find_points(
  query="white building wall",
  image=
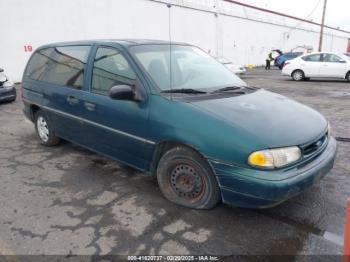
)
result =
(241, 34)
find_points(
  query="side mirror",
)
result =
(1, 70)
(122, 92)
(342, 61)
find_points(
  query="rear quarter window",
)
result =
(59, 65)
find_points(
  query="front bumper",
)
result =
(7, 94)
(238, 188)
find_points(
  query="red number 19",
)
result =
(28, 48)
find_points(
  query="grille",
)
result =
(315, 146)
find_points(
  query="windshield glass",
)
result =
(190, 67)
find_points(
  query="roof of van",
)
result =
(123, 42)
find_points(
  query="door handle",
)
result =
(90, 106)
(72, 100)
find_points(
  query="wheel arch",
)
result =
(33, 109)
(297, 69)
(164, 146)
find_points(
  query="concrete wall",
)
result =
(241, 34)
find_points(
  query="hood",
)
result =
(271, 118)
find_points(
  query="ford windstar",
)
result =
(177, 113)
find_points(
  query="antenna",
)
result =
(170, 48)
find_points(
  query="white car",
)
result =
(7, 88)
(237, 69)
(323, 65)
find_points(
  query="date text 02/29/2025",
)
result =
(173, 258)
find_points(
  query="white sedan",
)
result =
(323, 65)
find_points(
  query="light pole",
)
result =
(322, 25)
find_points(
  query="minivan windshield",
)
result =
(191, 68)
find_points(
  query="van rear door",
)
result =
(56, 74)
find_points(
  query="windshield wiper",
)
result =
(184, 91)
(235, 88)
(251, 87)
(228, 88)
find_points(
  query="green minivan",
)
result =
(175, 112)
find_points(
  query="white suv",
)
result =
(328, 65)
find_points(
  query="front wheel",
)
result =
(186, 179)
(348, 76)
(298, 75)
(44, 130)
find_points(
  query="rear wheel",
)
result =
(186, 179)
(44, 130)
(298, 75)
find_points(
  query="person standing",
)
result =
(268, 61)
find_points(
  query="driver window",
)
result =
(332, 58)
(110, 69)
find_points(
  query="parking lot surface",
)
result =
(67, 200)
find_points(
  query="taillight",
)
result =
(286, 63)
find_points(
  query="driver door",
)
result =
(333, 66)
(117, 128)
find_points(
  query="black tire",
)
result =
(348, 76)
(298, 75)
(52, 139)
(185, 178)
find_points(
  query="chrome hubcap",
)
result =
(186, 182)
(43, 129)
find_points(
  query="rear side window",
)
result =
(312, 58)
(59, 65)
(110, 69)
(37, 64)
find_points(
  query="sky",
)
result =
(338, 11)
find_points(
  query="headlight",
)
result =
(272, 158)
